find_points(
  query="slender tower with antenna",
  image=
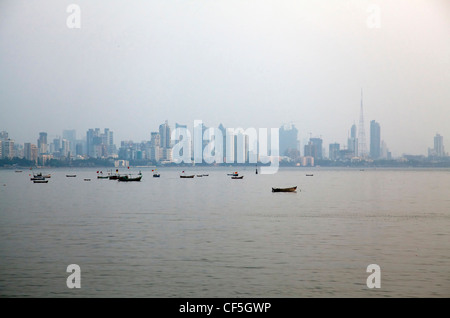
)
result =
(361, 132)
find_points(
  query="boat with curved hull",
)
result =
(292, 189)
(38, 176)
(187, 177)
(40, 181)
(236, 177)
(128, 178)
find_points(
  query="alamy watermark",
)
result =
(374, 279)
(232, 145)
(73, 21)
(74, 279)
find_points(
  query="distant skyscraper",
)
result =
(314, 148)
(362, 151)
(56, 145)
(42, 143)
(90, 134)
(352, 143)
(71, 136)
(288, 138)
(334, 151)
(164, 132)
(7, 148)
(79, 149)
(439, 146)
(375, 140)
(317, 142)
(65, 147)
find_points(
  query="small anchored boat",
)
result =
(189, 177)
(236, 177)
(292, 189)
(129, 178)
(71, 175)
(40, 181)
(38, 176)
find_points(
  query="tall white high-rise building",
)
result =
(362, 150)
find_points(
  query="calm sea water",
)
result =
(217, 237)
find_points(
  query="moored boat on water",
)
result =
(40, 181)
(292, 189)
(183, 176)
(236, 177)
(38, 176)
(129, 178)
(71, 175)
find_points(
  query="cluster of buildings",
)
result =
(159, 149)
(314, 149)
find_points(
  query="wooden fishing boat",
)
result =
(184, 177)
(309, 175)
(102, 177)
(38, 176)
(40, 181)
(71, 175)
(199, 175)
(156, 175)
(236, 177)
(129, 178)
(292, 189)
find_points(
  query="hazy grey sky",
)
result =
(243, 63)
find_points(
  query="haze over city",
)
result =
(130, 66)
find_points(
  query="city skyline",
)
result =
(159, 146)
(243, 64)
